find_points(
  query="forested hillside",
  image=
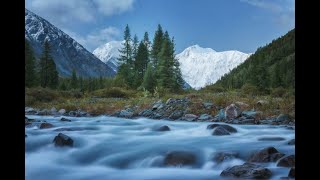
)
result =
(270, 66)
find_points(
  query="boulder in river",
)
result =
(283, 118)
(271, 139)
(65, 119)
(145, 113)
(269, 154)
(232, 111)
(178, 158)
(190, 117)
(62, 111)
(62, 140)
(220, 131)
(223, 156)
(288, 161)
(204, 117)
(292, 142)
(247, 171)
(292, 173)
(126, 113)
(45, 125)
(176, 114)
(227, 127)
(163, 128)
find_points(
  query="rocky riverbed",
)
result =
(104, 147)
(179, 109)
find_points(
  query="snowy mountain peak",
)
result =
(203, 66)
(109, 52)
(66, 52)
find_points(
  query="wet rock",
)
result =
(220, 131)
(126, 113)
(262, 102)
(266, 121)
(232, 111)
(292, 142)
(45, 125)
(53, 110)
(292, 173)
(176, 114)
(157, 116)
(170, 101)
(178, 158)
(283, 118)
(252, 114)
(62, 111)
(44, 112)
(271, 139)
(30, 110)
(163, 128)
(76, 129)
(247, 171)
(220, 116)
(248, 121)
(288, 161)
(269, 154)
(227, 127)
(157, 105)
(204, 117)
(145, 113)
(62, 140)
(190, 117)
(224, 156)
(208, 105)
(65, 119)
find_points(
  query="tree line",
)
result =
(271, 66)
(43, 73)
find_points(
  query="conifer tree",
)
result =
(148, 79)
(48, 72)
(146, 40)
(141, 62)
(135, 45)
(74, 80)
(156, 46)
(30, 67)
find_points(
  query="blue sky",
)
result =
(242, 25)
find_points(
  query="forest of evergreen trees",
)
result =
(145, 66)
(271, 66)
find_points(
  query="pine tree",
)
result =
(148, 79)
(74, 80)
(135, 45)
(48, 72)
(176, 66)
(125, 70)
(165, 70)
(141, 63)
(30, 67)
(156, 46)
(146, 40)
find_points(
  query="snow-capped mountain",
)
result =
(66, 52)
(109, 52)
(203, 66)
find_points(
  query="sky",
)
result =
(242, 25)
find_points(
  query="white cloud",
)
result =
(110, 7)
(96, 38)
(62, 12)
(283, 10)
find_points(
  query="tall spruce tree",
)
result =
(125, 70)
(135, 44)
(165, 73)
(30, 67)
(146, 40)
(74, 80)
(148, 79)
(156, 46)
(141, 63)
(48, 72)
(176, 68)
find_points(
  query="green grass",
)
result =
(108, 101)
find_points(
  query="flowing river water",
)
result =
(109, 148)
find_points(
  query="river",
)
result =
(110, 148)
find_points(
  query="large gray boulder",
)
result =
(247, 171)
(269, 154)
